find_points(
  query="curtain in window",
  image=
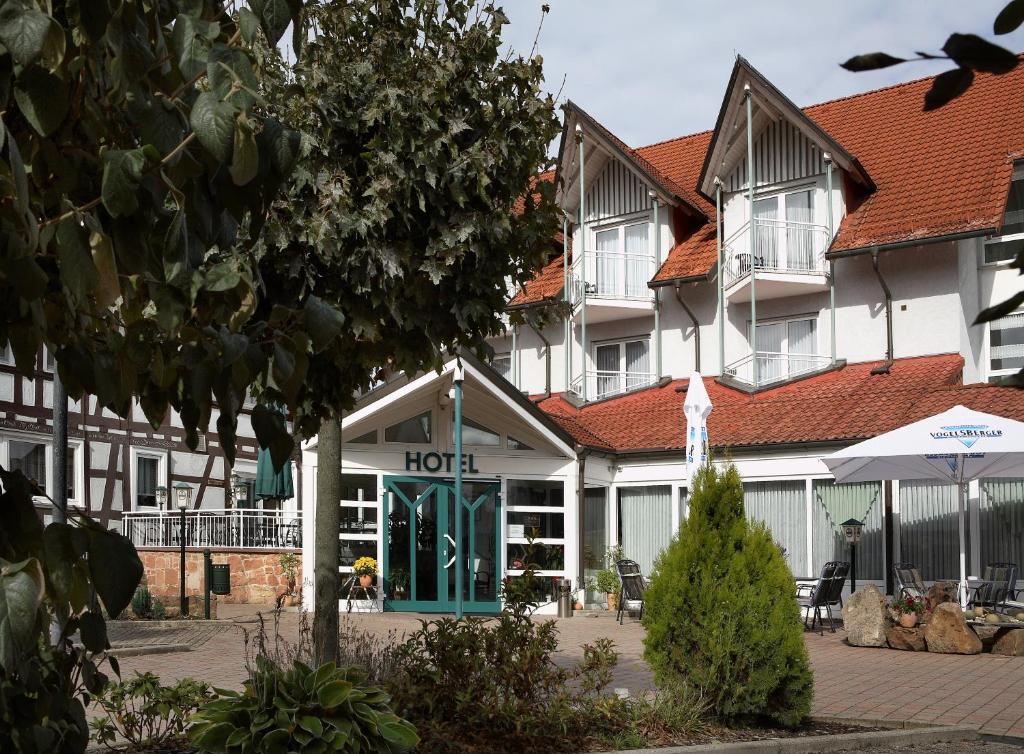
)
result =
(802, 342)
(609, 370)
(928, 528)
(1002, 521)
(638, 263)
(607, 273)
(770, 362)
(1006, 347)
(836, 503)
(30, 459)
(799, 234)
(645, 523)
(595, 530)
(146, 481)
(503, 366)
(766, 232)
(637, 363)
(782, 506)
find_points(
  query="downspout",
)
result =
(514, 365)
(721, 277)
(696, 326)
(831, 264)
(568, 301)
(750, 229)
(887, 364)
(583, 273)
(657, 291)
(581, 501)
(547, 360)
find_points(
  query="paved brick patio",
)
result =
(986, 691)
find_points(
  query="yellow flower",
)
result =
(365, 566)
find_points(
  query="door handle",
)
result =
(449, 538)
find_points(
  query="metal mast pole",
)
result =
(459, 562)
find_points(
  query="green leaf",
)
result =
(109, 288)
(93, 631)
(213, 122)
(192, 40)
(334, 693)
(77, 271)
(275, 15)
(122, 173)
(1009, 18)
(231, 76)
(271, 433)
(312, 724)
(21, 594)
(323, 322)
(248, 24)
(114, 565)
(871, 61)
(23, 30)
(26, 277)
(397, 732)
(948, 86)
(971, 51)
(43, 99)
(245, 160)
(63, 546)
(222, 277)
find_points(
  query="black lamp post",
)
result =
(183, 495)
(851, 532)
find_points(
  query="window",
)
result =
(147, 475)
(502, 364)
(6, 355)
(367, 438)
(622, 261)
(622, 366)
(49, 362)
(535, 510)
(786, 348)
(71, 481)
(514, 444)
(1006, 344)
(645, 523)
(787, 245)
(474, 433)
(30, 459)
(414, 430)
(1004, 248)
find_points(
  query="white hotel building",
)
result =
(828, 300)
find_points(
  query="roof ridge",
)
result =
(675, 138)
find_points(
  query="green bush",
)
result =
(142, 603)
(720, 615)
(329, 709)
(144, 713)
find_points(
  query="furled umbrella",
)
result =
(696, 407)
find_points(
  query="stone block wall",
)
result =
(256, 576)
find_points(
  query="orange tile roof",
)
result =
(936, 173)
(848, 404)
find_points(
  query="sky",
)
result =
(651, 70)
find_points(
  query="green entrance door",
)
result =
(419, 544)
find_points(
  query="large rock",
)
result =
(908, 639)
(1009, 641)
(939, 593)
(947, 632)
(866, 618)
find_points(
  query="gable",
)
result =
(617, 191)
(782, 152)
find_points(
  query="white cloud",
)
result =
(655, 69)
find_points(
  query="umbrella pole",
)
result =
(961, 506)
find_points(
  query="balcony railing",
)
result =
(236, 528)
(611, 275)
(605, 384)
(767, 368)
(774, 246)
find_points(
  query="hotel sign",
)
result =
(434, 462)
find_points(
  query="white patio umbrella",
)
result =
(696, 407)
(958, 446)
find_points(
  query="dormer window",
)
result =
(622, 261)
(1005, 248)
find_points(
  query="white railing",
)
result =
(774, 246)
(766, 367)
(236, 528)
(611, 275)
(604, 383)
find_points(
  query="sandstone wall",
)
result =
(256, 577)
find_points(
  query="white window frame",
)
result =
(622, 372)
(619, 226)
(161, 458)
(382, 437)
(7, 355)
(47, 356)
(562, 510)
(989, 371)
(779, 195)
(1018, 176)
(752, 339)
(499, 357)
(78, 470)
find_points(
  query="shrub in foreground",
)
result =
(720, 615)
(146, 713)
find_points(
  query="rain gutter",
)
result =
(885, 366)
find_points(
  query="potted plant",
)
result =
(908, 610)
(365, 568)
(606, 581)
(399, 583)
(289, 562)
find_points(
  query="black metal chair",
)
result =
(825, 593)
(633, 586)
(909, 582)
(998, 587)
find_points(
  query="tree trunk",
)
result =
(325, 577)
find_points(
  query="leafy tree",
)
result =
(720, 615)
(971, 54)
(410, 213)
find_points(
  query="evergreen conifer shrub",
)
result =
(720, 614)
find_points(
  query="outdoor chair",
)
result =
(998, 588)
(633, 588)
(823, 594)
(909, 582)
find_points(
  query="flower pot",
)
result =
(366, 580)
(613, 601)
(908, 620)
(399, 594)
(290, 600)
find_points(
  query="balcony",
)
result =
(616, 284)
(767, 368)
(223, 529)
(788, 258)
(603, 384)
